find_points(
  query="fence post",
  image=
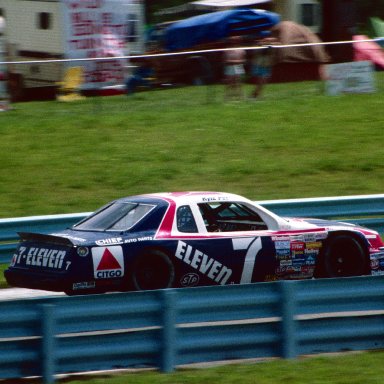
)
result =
(288, 322)
(168, 340)
(48, 343)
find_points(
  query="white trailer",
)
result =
(70, 29)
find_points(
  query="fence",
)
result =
(169, 328)
(38, 79)
(365, 210)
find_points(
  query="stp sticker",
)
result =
(108, 262)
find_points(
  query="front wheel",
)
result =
(153, 270)
(343, 256)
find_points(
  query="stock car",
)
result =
(185, 239)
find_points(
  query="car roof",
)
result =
(186, 197)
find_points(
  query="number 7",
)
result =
(253, 246)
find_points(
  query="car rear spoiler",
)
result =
(39, 237)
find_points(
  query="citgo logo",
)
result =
(108, 262)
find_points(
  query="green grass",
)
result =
(357, 368)
(296, 142)
(3, 283)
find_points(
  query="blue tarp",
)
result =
(216, 26)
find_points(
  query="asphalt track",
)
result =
(23, 293)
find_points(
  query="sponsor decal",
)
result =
(110, 241)
(84, 285)
(299, 261)
(280, 238)
(312, 251)
(108, 262)
(70, 237)
(190, 280)
(310, 260)
(216, 198)
(297, 246)
(310, 237)
(282, 244)
(375, 264)
(307, 270)
(82, 251)
(283, 253)
(377, 273)
(322, 236)
(135, 240)
(314, 245)
(206, 265)
(41, 257)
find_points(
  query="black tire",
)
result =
(153, 270)
(343, 256)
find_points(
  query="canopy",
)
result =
(210, 5)
(216, 26)
(217, 4)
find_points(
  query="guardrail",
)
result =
(365, 210)
(169, 328)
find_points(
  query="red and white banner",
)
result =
(99, 29)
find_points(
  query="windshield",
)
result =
(115, 217)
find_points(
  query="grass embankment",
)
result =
(296, 142)
(357, 368)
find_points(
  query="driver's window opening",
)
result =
(230, 217)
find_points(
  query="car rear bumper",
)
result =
(27, 279)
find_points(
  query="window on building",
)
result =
(309, 14)
(132, 28)
(44, 20)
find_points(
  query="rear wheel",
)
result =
(153, 270)
(343, 256)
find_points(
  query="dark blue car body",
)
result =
(188, 239)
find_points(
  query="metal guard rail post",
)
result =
(165, 329)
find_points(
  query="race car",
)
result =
(186, 239)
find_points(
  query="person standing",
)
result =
(234, 60)
(261, 66)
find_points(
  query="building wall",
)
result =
(25, 25)
(306, 12)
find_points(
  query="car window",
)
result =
(185, 220)
(228, 217)
(115, 217)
